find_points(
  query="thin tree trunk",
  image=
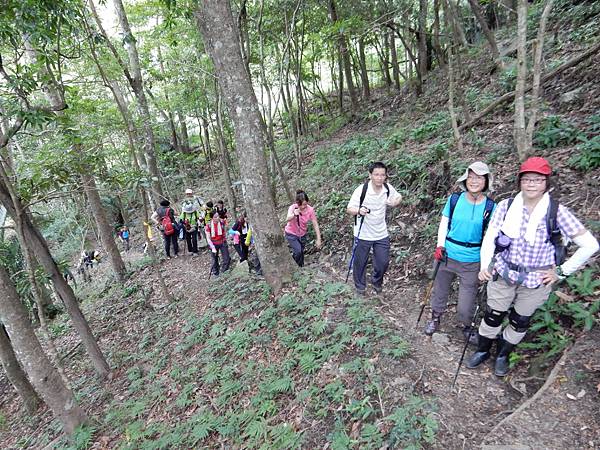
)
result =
(384, 59)
(223, 148)
(394, 58)
(15, 374)
(364, 75)
(217, 28)
(185, 139)
(133, 74)
(345, 59)
(520, 137)
(43, 376)
(104, 229)
(436, 34)
(423, 38)
(457, 28)
(64, 291)
(538, 50)
(489, 35)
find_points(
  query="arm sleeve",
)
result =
(442, 232)
(394, 194)
(588, 245)
(488, 245)
(355, 199)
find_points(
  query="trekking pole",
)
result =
(355, 243)
(480, 298)
(425, 300)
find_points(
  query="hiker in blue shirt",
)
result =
(124, 235)
(464, 219)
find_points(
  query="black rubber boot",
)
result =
(471, 335)
(483, 352)
(502, 365)
(434, 324)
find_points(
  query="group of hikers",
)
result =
(516, 247)
(198, 222)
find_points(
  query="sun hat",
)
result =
(479, 168)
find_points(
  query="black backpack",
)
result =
(554, 234)
(363, 194)
(487, 215)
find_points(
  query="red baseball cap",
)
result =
(536, 164)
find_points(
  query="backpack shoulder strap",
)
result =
(453, 201)
(363, 194)
(487, 215)
(387, 190)
(554, 234)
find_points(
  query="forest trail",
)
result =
(480, 400)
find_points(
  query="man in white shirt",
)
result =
(368, 204)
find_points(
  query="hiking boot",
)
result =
(502, 365)
(471, 335)
(434, 324)
(482, 354)
(378, 290)
(361, 292)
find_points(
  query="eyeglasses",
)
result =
(535, 181)
(476, 178)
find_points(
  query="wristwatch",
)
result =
(559, 273)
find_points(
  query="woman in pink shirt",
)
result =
(298, 216)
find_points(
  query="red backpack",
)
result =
(167, 225)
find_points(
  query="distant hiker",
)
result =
(124, 236)
(220, 208)
(189, 218)
(68, 276)
(164, 218)
(239, 231)
(299, 214)
(531, 260)
(464, 221)
(253, 260)
(192, 199)
(208, 211)
(150, 236)
(368, 204)
(215, 236)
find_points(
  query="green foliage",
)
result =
(413, 425)
(553, 321)
(439, 121)
(508, 78)
(82, 438)
(587, 154)
(554, 131)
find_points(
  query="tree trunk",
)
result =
(489, 35)
(364, 75)
(44, 377)
(520, 137)
(538, 50)
(345, 60)
(64, 291)
(185, 139)
(137, 85)
(437, 47)
(394, 58)
(15, 374)
(223, 148)
(384, 59)
(104, 229)
(422, 39)
(217, 27)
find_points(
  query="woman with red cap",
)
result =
(526, 232)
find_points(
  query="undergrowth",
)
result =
(258, 372)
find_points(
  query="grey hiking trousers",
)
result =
(381, 260)
(467, 288)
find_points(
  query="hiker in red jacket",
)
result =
(216, 237)
(164, 218)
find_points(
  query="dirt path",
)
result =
(481, 400)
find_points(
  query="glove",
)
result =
(439, 254)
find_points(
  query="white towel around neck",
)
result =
(514, 216)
